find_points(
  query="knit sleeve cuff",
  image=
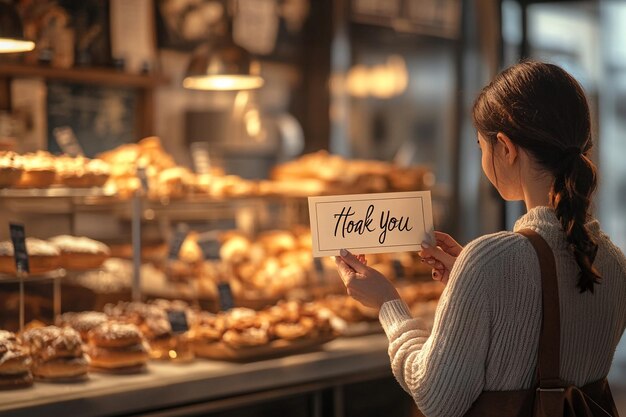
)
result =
(392, 314)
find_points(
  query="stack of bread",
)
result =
(57, 353)
(15, 363)
(117, 347)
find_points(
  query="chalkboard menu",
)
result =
(101, 117)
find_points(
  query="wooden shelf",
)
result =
(102, 76)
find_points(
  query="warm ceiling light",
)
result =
(221, 65)
(11, 31)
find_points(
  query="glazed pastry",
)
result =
(57, 353)
(80, 253)
(117, 346)
(15, 363)
(42, 256)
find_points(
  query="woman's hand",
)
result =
(364, 284)
(441, 257)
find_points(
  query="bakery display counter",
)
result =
(203, 385)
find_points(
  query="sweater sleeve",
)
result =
(444, 372)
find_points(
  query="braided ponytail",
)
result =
(543, 110)
(571, 197)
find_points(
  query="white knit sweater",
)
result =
(486, 330)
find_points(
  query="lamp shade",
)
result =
(221, 65)
(11, 31)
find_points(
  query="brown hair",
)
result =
(543, 110)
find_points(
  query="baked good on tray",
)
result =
(10, 169)
(117, 347)
(81, 172)
(57, 353)
(80, 253)
(39, 170)
(42, 256)
(15, 363)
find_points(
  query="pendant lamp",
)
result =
(222, 65)
(11, 30)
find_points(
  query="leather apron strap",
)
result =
(549, 359)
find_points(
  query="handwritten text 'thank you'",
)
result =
(347, 224)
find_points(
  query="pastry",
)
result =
(10, 169)
(81, 172)
(14, 363)
(39, 170)
(82, 322)
(118, 347)
(57, 353)
(42, 256)
(235, 249)
(151, 320)
(80, 253)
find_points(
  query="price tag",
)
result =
(210, 249)
(67, 141)
(18, 237)
(226, 296)
(178, 321)
(320, 271)
(398, 268)
(143, 178)
(182, 230)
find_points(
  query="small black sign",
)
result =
(177, 240)
(178, 321)
(210, 249)
(18, 237)
(398, 268)
(143, 178)
(319, 266)
(226, 296)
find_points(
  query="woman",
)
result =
(534, 133)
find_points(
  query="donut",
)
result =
(80, 253)
(42, 256)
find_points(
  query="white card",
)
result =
(371, 223)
